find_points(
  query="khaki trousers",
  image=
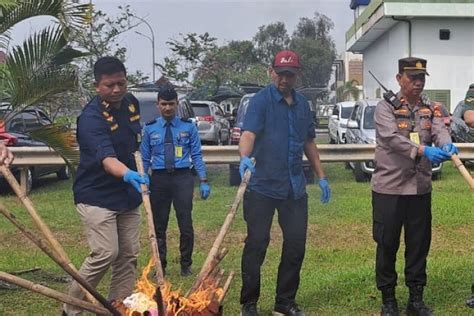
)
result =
(113, 238)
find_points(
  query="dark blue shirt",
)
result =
(281, 131)
(102, 132)
(186, 143)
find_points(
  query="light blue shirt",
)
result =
(186, 143)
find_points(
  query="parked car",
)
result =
(239, 119)
(361, 130)
(15, 132)
(213, 126)
(338, 122)
(460, 132)
(148, 106)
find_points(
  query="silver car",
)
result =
(338, 122)
(361, 130)
(213, 126)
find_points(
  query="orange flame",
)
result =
(205, 297)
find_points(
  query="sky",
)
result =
(224, 19)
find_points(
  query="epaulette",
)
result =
(187, 120)
(150, 122)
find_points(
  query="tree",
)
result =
(232, 64)
(189, 54)
(41, 68)
(269, 40)
(348, 90)
(316, 48)
(100, 39)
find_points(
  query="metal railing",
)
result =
(30, 156)
(36, 156)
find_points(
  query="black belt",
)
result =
(175, 171)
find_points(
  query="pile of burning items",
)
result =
(157, 298)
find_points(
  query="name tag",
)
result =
(178, 151)
(415, 137)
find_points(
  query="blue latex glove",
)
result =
(205, 190)
(435, 154)
(451, 149)
(325, 190)
(135, 179)
(246, 163)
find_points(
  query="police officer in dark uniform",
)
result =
(169, 145)
(107, 187)
(401, 184)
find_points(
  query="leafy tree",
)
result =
(41, 68)
(100, 39)
(189, 54)
(232, 64)
(269, 40)
(312, 41)
(348, 90)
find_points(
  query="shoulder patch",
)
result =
(150, 122)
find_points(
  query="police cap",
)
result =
(167, 93)
(412, 65)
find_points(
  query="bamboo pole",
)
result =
(462, 169)
(44, 229)
(226, 287)
(151, 226)
(207, 266)
(59, 260)
(38, 288)
(152, 237)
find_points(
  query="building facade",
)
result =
(440, 31)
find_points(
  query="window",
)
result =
(201, 109)
(443, 96)
(369, 117)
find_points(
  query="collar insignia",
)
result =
(131, 108)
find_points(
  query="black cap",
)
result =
(167, 93)
(412, 65)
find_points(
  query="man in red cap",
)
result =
(277, 130)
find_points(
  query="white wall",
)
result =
(450, 63)
(381, 58)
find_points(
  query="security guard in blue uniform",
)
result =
(107, 187)
(169, 144)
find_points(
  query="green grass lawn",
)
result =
(337, 275)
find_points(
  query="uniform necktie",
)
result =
(169, 148)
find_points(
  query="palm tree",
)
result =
(40, 69)
(349, 89)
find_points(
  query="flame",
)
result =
(205, 297)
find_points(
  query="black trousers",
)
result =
(176, 188)
(390, 213)
(293, 221)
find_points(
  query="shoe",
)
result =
(390, 308)
(288, 310)
(470, 302)
(249, 309)
(186, 271)
(418, 308)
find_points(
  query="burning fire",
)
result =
(202, 302)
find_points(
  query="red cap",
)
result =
(286, 60)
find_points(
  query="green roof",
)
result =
(375, 4)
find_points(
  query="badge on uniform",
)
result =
(415, 137)
(131, 108)
(178, 151)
